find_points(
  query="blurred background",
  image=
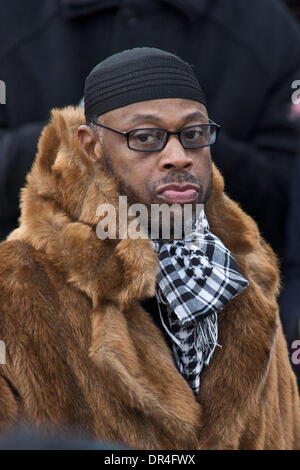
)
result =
(246, 56)
(294, 6)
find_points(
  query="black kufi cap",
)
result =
(135, 75)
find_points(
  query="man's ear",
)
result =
(90, 144)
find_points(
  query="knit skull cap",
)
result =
(139, 74)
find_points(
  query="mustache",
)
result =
(175, 177)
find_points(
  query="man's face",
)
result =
(170, 176)
(147, 177)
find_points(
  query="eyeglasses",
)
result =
(154, 139)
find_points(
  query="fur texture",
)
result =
(81, 352)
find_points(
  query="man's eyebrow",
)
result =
(145, 117)
(152, 117)
(195, 115)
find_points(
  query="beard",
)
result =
(178, 217)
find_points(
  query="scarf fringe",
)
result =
(206, 337)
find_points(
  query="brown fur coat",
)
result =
(81, 351)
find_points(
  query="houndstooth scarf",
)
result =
(197, 277)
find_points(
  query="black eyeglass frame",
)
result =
(178, 133)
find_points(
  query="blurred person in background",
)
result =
(290, 298)
(294, 5)
(28, 438)
(246, 54)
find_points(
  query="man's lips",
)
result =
(178, 193)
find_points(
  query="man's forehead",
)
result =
(157, 111)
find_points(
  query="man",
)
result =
(207, 367)
(245, 54)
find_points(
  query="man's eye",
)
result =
(190, 135)
(194, 134)
(146, 137)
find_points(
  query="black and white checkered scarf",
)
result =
(197, 277)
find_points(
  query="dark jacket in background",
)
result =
(245, 55)
(294, 5)
(290, 299)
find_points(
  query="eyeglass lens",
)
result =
(155, 139)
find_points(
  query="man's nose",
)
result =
(174, 156)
